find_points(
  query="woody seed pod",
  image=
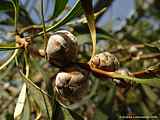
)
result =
(62, 48)
(105, 61)
(72, 84)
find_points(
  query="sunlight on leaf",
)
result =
(20, 102)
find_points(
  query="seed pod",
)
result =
(72, 84)
(62, 48)
(105, 61)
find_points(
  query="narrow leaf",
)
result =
(5, 6)
(75, 11)
(154, 82)
(75, 115)
(27, 110)
(16, 8)
(33, 84)
(87, 6)
(9, 60)
(59, 7)
(150, 93)
(67, 115)
(20, 102)
(3, 48)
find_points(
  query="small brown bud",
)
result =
(62, 48)
(122, 82)
(105, 61)
(72, 84)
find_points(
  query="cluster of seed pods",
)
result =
(72, 81)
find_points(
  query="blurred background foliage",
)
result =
(135, 41)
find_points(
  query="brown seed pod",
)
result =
(72, 84)
(105, 61)
(62, 48)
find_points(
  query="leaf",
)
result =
(9, 60)
(75, 115)
(87, 6)
(16, 2)
(59, 7)
(4, 48)
(152, 48)
(75, 11)
(154, 82)
(144, 109)
(57, 113)
(16, 5)
(16, 8)
(150, 93)
(100, 115)
(27, 110)
(110, 95)
(33, 84)
(5, 6)
(20, 102)
(67, 115)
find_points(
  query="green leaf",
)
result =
(152, 48)
(75, 11)
(8, 48)
(75, 115)
(145, 109)
(67, 115)
(9, 60)
(57, 112)
(16, 8)
(154, 82)
(87, 6)
(110, 95)
(27, 110)
(99, 115)
(59, 7)
(16, 2)
(5, 6)
(150, 93)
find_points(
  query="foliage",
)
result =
(26, 77)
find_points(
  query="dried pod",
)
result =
(105, 61)
(62, 48)
(72, 84)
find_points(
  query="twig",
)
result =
(141, 57)
(31, 28)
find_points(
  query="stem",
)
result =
(44, 28)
